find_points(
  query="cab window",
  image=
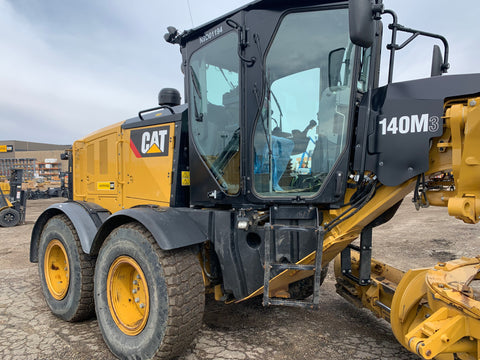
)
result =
(215, 111)
(301, 129)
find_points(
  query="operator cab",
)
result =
(270, 114)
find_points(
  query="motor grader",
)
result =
(286, 151)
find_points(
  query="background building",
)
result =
(36, 159)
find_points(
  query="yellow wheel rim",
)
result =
(56, 269)
(127, 295)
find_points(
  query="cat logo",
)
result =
(150, 142)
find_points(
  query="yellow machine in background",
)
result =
(238, 192)
(12, 200)
(5, 187)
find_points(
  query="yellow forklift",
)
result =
(13, 200)
(286, 151)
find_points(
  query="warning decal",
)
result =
(185, 178)
(106, 185)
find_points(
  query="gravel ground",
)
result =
(244, 331)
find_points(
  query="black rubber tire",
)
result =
(176, 295)
(9, 217)
(78, 303)
(302, 289)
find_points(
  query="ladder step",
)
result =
(318, 232)
(284, 266)
(293, 228)
(354, 247)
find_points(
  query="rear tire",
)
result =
(66, 272)
(9, 217)
(149, 302)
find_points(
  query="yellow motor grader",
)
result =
(285, 152)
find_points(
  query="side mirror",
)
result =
(360, 15)
(335, 61)
(437, 61)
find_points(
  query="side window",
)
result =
(215, 109)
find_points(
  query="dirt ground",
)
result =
(246, 331)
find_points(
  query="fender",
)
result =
(172, 228)
(85, 217)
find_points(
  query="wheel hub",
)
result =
(127, 294)
(56, 269)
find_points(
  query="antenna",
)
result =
(190, 11)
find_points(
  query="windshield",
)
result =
(301, 129)
(215, 114)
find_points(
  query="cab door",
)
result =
(214, 116)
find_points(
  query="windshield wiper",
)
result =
(196, 83)
(198, 116)
(265, 132)
(196, 86)
(226, 79)
(279, 109)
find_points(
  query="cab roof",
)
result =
(258, 4)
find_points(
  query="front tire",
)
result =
(66, 272)
(149, 302)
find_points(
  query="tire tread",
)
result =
(86, 306)
(186, 294)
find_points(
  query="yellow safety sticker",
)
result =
(106, 185)
(185, 178)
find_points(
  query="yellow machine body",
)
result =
(110, 171)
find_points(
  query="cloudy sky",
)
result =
(68, 67)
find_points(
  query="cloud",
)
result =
(62, 80)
